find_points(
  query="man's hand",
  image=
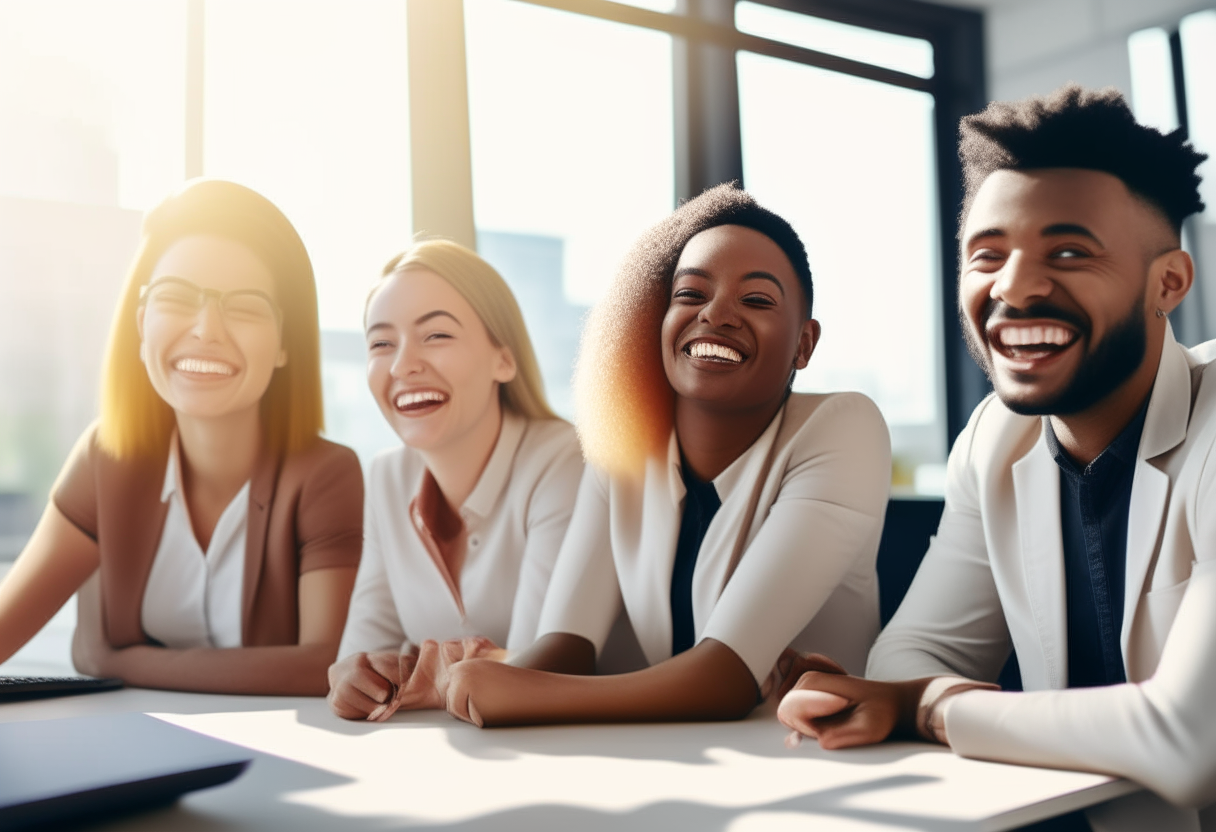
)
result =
(362, 683)
(843, 711)
(789, 669)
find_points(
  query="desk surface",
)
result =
(313, 771)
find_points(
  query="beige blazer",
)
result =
(305, 513)
(993, 579)
(788, 559)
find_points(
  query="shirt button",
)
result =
(474, 541)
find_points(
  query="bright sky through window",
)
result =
(850, 163)
(307, 102)
(904, 54)
(1152, 79)
(1198, 34)
(569, 139)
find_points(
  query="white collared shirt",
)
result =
(514, 522)
(193, 598)
(806, 576)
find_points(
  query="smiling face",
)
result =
(736, 327)
(430, 362)
(203, 363)
(1061, 281)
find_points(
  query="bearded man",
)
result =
(1079, 530)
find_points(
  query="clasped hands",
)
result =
(374, 686)
(840, 711)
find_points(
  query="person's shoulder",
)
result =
(321, 461)
(555, 433)
(322, 452)
(546, 442)
(847, 412)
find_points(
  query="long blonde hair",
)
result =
(135, 420)
(491, 298)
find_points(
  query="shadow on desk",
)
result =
(676, 742)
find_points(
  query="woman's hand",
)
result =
(362, 683)
(479, 689)
(374, 686)
(427, 686)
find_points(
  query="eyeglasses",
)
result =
(183, 298)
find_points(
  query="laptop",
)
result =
(61, 770)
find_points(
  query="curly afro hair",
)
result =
(1078, 128)
(624, 404)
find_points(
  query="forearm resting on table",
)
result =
(841, 711)
(55, 561)
(283, 670)
(708, 682)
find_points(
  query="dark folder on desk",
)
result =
(59, 770)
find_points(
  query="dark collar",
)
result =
(1122, 450)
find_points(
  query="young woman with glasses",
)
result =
(221, 532)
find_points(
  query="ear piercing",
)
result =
(1160, 314)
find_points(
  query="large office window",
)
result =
(588, 121)
(850, 163)
(328, 142)
(572, 159)
(1173, 75)
(91, 130)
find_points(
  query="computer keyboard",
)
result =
(15, 688)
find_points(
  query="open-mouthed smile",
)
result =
(204, 367)
(713, 352)
(419, 402)
(1029, 345)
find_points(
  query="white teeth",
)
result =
(706, 349)
(1022, 336)
(200, 365)
(405, 400)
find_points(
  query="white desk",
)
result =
(314, 771)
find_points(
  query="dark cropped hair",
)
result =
(623, 400)
(1078, 128)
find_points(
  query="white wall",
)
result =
(1035, 46)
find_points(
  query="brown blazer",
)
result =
(305, 513)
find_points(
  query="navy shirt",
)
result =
(1094, 504)
(701, 503)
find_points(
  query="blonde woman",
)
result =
(225, 533)
(464, 521)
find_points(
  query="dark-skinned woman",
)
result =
(730, 519)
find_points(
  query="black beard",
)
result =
(1111, 362)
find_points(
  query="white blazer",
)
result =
(788, 558)
(994, 578)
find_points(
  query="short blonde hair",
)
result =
(135, 421)
(491, 298)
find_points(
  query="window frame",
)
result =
(708, 148)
